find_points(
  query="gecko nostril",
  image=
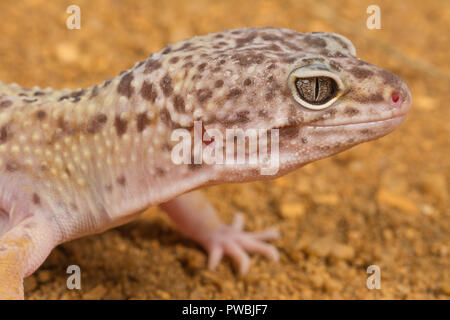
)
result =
(395, 99)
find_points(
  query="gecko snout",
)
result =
(400, 99)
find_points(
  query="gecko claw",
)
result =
(232, 241)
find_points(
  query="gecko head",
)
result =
(311, 88)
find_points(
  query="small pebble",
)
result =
(292, 210)
(96, 293)
(44, 276)
(30, 283)
(395, 201)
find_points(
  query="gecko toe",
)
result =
(215, 256)
(239, 256)
(255, 246)
(233, 241)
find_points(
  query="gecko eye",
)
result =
(315, 86)
(316, 90)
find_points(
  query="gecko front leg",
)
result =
(22, 250)
(194, 216)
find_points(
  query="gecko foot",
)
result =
(233, 241)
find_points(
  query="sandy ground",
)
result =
(383, 203)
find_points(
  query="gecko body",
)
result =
(76, 162)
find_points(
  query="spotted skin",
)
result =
(78, 162)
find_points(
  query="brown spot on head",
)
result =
(4, 134)
(166, 119)
(335, 65)
(120, 125)
(41, 114)
(376, 97)
(188, 65)
(166, 85)
(248, 59)
(107, 83)
(174, 60)
(289, 132)
(29, 100)
(350, 111)
(336, 54)
(167, 50)
(36, 199)
(178, 103)
(263, 114)
(139, 64)
(186, 46)
(361, 73)
(242, 116)
(315, 41)
(5, 104)
(234, 93)
(203, 95)
(95, 124)
(240, 42)
(152, 65)
(121, 180)
(76, 95)
(269, 95)
(142, 121)
(247, 82)
(94, 92)
(202, 66)
(218, 84)
(270, 37)
(288, 59)
(273, 47)
(148, 92)
(389, 78)
(125, 88)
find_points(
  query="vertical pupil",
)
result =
(316, 87)
(316, 90)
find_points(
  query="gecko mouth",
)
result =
(396, 118)
(399, 118)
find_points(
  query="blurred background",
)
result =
(382, 203)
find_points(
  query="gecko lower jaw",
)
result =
(399, 118)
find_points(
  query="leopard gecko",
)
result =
(77, 162)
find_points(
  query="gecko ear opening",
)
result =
(315, 86)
